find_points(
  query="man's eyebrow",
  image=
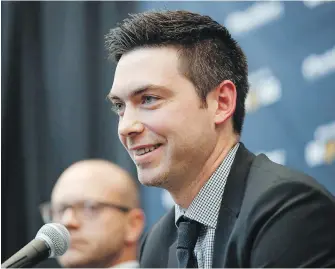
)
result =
(136, 92)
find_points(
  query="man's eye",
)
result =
(148, 99)
(60, 209)
(117, 107)
(92, 208)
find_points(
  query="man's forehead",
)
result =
(81, 190)
(126, 88)
(154, 67)
(88, 181)
(151, 54)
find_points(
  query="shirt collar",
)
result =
(206, 205)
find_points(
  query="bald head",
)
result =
(98, 178)
(103, 234)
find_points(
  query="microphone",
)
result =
(52, 240)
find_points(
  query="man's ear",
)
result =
(135, 225)
(225, 95)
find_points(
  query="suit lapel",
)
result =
(156, 250)
(171, 240)
(172, 262)
(231, 203)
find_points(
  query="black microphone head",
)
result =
(56, 236)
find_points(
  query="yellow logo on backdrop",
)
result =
(321, 150)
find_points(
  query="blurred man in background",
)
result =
(98, 202)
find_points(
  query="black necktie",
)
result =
(188, 231)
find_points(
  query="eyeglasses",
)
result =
(82, 210)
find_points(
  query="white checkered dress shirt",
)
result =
(205, 209)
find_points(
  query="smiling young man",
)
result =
(179, 90)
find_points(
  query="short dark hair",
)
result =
(209, 54)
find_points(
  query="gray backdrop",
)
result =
(55, 77)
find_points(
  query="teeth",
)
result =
(146, 150)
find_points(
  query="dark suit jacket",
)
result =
(270, 216)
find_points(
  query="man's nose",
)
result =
(69, 220)
(130, 124)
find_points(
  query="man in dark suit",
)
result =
(179, 90)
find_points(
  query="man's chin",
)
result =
(72, 259)
(152, 179)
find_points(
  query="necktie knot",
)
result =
(188, 231)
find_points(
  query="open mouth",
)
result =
(143, 151)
